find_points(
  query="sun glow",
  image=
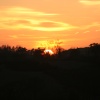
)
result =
(47, 51)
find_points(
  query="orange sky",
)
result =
(36, 23)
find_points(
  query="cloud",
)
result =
(97, 30)
(54, 26)
(90, 2)
(16, 18)
(21, 36)
(13, 36)
(20, 11)
(94, 24)
(88, 29)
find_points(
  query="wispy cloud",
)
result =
(13, 36)
(23, 18)
(86, 31)
(29, 12)
(94, 24)
(97, 30)
(20, 36)
(90, 2)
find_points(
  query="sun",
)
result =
(48, 51)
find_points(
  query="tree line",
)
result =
(18, 53)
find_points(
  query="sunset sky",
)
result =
(40, 23)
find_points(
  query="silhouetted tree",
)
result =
(95, 49)
(38, 52)
(5, 53)
(58, 49)
(74, 53)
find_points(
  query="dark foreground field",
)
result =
(63, 81)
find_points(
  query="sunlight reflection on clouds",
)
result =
(23, 18)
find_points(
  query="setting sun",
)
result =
(49, 52)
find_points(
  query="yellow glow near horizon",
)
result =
(51, 44)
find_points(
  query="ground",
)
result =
(63, 82)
